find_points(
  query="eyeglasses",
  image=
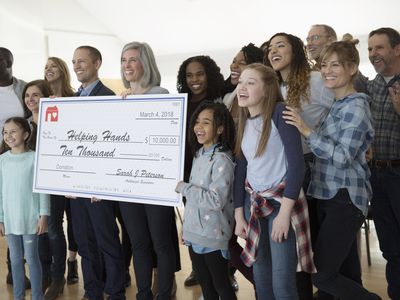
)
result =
(315, 37)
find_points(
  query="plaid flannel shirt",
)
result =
(386, 145)
(261, 207)
(340, 146)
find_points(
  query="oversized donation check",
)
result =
(112, 148)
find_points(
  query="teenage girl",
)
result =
(268, 182)
(23, 214)
(208, 220)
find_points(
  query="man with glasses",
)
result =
(318, 37)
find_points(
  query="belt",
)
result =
(381, 164)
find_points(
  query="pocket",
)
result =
(191, 221)
(210, 221)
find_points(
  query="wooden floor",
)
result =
(373, 277)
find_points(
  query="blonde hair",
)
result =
(272, 95)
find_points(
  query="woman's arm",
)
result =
(294, 154)
(352, 128)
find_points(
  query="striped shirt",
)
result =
(340, 145)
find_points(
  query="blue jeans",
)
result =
(386, 214)
(20, 246)
(275, 268)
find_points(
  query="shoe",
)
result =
(72, 276)
(154, 287)
(56, 289)
(174, 287)
(191, 279)
(46, 281)
(376, 296)
(128, 280)
(9, 279)
(234, 283)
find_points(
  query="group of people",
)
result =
(286, 154)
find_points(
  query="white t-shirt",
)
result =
(10, 106)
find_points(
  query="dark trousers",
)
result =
(125, 241)
(235, 250)
(336, 249)
(150, 226)
(303, 279)
(212, 273)
(58, 244)
(96, 232)
(72, 246)
(385, 206)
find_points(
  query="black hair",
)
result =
(21, 123)
(215, 80)
(222, 117)
(252, 54)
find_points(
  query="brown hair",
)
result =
(345, 50)
(298, 80)
(272, 95)
(66, 88)
(21, 123)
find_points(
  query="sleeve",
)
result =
(352, 126)
(44, 205)
(239, 181)
(218, 193)
(319, 92)
(291, 140)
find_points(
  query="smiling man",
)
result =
(318, 37)
(384, 54)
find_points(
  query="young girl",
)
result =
(201, 78)
(208, 220)
(270, 168)
(23, 214)
(340, 176)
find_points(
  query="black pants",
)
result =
(212, 273)
(97, 235)
(150, 226)
(336, 249)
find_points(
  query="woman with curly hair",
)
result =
(304, 90)
(201, 78)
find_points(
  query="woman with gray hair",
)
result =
(151, 228)
(139, 70)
